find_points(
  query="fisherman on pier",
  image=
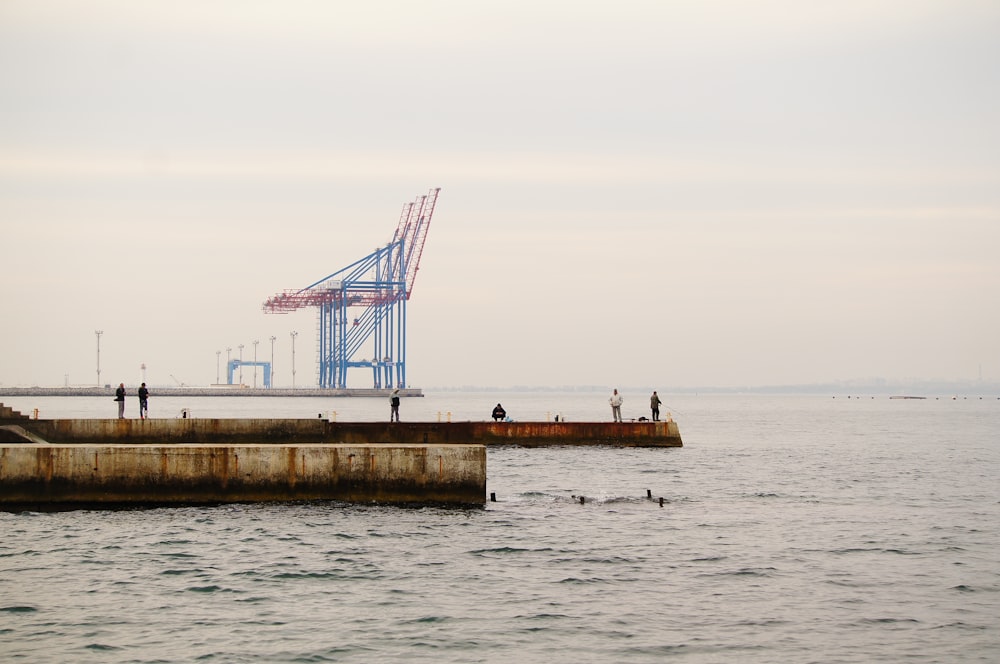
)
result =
(120, 398)
(394, 404)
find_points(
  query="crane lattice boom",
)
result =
(412, 229)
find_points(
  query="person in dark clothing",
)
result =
(394, 404)
(499, 413)
(120, 398)
(654, 405)
(143, 402)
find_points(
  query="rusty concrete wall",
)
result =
(67, 475)
(302, 431)
(619, 434)
(176, 431)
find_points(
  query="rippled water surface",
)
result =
(792, 529)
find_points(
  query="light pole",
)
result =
(294, 334)
(272, 359)
(218, 358)
(229, 378)
(241, 364)
(98, 333)
(256, 341)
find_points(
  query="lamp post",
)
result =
(294, 334)
(229, 379)
(98, 333)
(272, 360)
(218, 358)
(241, 364)
(256, 341)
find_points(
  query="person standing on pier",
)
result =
(120, 398)
(143, 402)
(616, 406)
(394, 403)
(654, 405)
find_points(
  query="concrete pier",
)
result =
(78, 462)
(316, 431)
(44, 475)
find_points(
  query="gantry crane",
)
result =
(366, 301)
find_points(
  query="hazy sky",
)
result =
(659, 193)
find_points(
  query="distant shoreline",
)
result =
(915, 389)
(221, 391)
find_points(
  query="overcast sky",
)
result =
(665, 193)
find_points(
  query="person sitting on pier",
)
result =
(499, 413)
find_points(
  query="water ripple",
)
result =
(770, 547)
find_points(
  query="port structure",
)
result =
(233, 365)
(363, 305)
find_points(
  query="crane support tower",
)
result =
(366, 302)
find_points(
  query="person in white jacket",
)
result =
(616, 405)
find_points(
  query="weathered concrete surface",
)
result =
(303, 431)
(45, 475)
(618, 434)
(7, 413)
(12, 433)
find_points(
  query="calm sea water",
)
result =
(793, 529)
